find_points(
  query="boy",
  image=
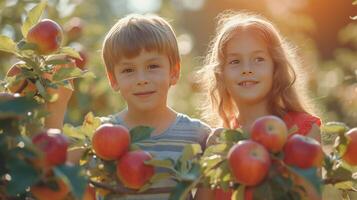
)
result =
(142, 63)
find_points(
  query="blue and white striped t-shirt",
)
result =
(169, 144)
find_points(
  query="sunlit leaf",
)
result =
(33, 17)
(334, 128)
(239, 193)
(69, 51)
(190, 151)
(7, 45)
(66, 73)
(167, 163)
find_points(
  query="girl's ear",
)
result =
(175, 74)
(113, 82)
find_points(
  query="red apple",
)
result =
(74, 28)
(81, 63)
(249, 162)
(220, 194)
(248, 193)
(271, 132)
(24, 86)
(47, 35)
(303, 152)
(45, 192)
(350, 156)
(54, 146)
(110, 141)
(89, 193)
(132, 171)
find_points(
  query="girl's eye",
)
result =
(259, 59)
(234, 62)
(153, 66)
(127, 70)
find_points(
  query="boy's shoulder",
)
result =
(112, 118)
(194, 122)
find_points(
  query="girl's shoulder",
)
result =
(304, 122)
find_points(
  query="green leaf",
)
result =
(167, 163)
(263, 191)
(23, 46)
(74, 176)
(217, 149)
(139, 133)
(69, 51)
(71, 131)
(181, 191)
(334, 128)
(190, 151)
(17, 107)
(341, 144)
(342, 174)
(41, 89)
(234, 136)
(193, 173)
(57, 62)
(239, 192)
(159, 177)
(7, 44)
(66, 73)
(90, 124)
(33, 17)
(154, 179)
(22, 175)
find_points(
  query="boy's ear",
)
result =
(175, 74)
(113, 82)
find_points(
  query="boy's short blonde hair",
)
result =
(134, 33)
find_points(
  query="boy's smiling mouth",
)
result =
(144, 94)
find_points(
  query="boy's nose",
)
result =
(142, 78)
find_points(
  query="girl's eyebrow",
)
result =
(238, 54)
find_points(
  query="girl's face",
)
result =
(248, 68)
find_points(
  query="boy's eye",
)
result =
(127, 70)
(153, 66)
(234, 62)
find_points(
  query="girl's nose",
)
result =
(247, 69)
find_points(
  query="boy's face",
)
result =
(248, 69)
(144, 80)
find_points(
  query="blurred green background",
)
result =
(323, 32)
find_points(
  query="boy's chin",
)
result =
(145, 107)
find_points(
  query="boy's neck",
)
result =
(248, 113)
(160, 119)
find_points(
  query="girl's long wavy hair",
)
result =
(288, 92)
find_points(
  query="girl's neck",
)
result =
(159, 119)
(248, 113)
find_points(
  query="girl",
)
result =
(250, 72)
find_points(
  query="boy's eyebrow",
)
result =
(153, 59)
(148, 60)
